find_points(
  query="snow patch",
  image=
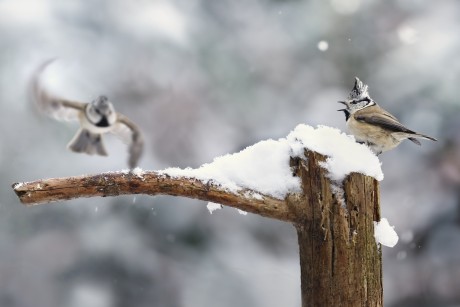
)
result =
(138, 172)
(255, 195)
(213, 207)
(242, 212)
(18, 185)
(344, 154)
(384, 233)
(264, 166)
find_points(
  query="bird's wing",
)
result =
(384, 121)
(386, 114)
(130, 134)
(58, 108)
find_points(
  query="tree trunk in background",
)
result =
(341, 264)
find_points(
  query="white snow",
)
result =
(138, 172)
(344, 154)
(213, 207)
(254, 195)
(18, 185)
(242, 212)
(264, 166)
(384, 233)
(323, 45)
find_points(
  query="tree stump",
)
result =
(340, 262)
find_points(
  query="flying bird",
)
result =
(372, 125)
(96, 118)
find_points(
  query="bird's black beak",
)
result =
(344, 103)
(346, 112)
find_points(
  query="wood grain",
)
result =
(149, 183)
(340, 262)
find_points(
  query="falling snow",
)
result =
(323, 45)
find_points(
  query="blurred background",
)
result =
(205, 78)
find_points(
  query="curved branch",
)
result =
(149, 183)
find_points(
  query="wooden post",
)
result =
(341, 264)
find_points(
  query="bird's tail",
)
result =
(86, 142)
(421, 136)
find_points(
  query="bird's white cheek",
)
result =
(85, 124)
(112, 118)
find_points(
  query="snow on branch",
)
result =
(257, 179)
(149, 183)
(302, 179)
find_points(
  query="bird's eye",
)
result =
(361, 100)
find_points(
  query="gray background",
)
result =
(205, 78)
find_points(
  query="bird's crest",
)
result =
(359, 90)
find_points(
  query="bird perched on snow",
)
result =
(96, 118)
(372, 125)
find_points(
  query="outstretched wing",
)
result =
(130, 134)
(56, 107)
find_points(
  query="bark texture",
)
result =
(149, 183)
(341, 264)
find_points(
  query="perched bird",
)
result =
(372, 125)
(96, 118)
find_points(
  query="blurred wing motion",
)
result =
(60, 109)
(89, 138)
(131, 135)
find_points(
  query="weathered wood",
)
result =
(149, 183)
(341, 265)
(339, 258)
